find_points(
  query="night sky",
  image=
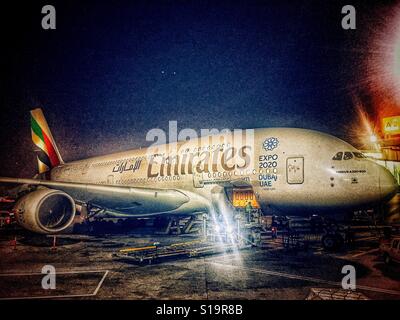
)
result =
(110, 72)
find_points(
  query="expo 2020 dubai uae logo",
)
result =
(270, 144)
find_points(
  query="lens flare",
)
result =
(381, 70)
(365, 135)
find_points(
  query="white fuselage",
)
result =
(288, 169)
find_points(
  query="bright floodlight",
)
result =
(373, 138)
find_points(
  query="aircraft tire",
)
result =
(328, 242)
(331, 242)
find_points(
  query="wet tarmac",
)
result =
(87, 269)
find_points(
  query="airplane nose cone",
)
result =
(387, 183)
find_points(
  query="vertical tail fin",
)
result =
(48, 155)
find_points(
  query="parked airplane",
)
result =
(293, 171)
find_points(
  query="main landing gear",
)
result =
(332, 242)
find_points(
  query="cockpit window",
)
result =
(359, 155)
(338, 156)
(347, 156)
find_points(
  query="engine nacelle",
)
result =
(45, 211)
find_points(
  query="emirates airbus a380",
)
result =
(293, 171)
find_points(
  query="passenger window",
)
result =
(347, 156)
(359, 155)
(338, 156)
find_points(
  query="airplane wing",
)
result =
(135, 200)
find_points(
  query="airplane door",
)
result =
(295, 170)
(198, 180)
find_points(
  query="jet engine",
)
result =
(45, 211)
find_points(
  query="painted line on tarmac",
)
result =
(68, 296)
(304, 278)
(364, 253)
(366, 239)
(101, 282)
(16, 274)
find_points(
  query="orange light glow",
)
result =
(242, 197)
